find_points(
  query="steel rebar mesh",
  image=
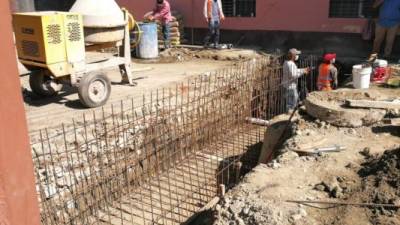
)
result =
(161, 161)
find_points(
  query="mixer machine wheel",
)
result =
(43, 84)
(94, 90)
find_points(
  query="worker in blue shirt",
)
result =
(387, 25)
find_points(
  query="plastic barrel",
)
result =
(148, 45)
(361, 77)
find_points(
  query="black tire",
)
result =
(43, 84)
(94, 90)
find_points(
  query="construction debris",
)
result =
(395, 104)
(357, 178)
(335, 148)
(168, 158)
(369, 205)
(394, 121)
(258, 121)
(181, 54)
(273, 138)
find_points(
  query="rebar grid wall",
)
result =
(161, 161)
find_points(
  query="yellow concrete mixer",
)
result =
(64, 48)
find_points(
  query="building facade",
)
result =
(273, 15)
(316, 26)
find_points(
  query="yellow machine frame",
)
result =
(51, 40)
(53, 45)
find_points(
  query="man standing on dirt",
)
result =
(387, 25)
(290, 76)
(162, 12)
(328, 73)
(213, 14)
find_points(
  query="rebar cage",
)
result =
(160, 161)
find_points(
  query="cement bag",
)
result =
(174, 24)
(175, 34)
(175, 39)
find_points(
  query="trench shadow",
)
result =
(394, 130)
(229, 175)
(228, 172)
(206, 217)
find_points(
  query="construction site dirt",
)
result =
(356, 186)
(163, 151)
(212, 112)
(173, 67)
(159, 159)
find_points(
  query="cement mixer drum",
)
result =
(103, 20)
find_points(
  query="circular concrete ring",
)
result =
(330, 107)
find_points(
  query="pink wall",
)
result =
(282, 15)
(18, 198)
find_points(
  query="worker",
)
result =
(162, 13)
(387, 25)
(214, 15)
(290, 75)
(328, 73)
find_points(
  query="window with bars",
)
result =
(351, 8)
(59, 5)
(239, 8)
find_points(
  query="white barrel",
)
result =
(361, 77)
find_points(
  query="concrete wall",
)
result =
(18, 199)
(282, 15)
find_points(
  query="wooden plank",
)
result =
(373, 104)
(395, 121)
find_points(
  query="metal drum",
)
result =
(148, 45)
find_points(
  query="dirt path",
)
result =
(42, 113)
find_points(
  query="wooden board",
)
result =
(373, 104)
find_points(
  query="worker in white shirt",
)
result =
(290, 76)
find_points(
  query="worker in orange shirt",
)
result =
(328, 73)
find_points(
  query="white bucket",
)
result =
(361, 77)
(381, 63)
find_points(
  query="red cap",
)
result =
(328, 57)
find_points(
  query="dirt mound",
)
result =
(177, 55)
(248, 210)
(186, 54)
(381, 185)
(245, 205)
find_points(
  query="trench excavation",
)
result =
(162, 161)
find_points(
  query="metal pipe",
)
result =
(375, 205)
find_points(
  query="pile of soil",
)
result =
(381, 185)
(177, 55)
(244, 205)
(363, 173)
(173, 55)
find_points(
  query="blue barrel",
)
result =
(148, 45)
